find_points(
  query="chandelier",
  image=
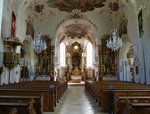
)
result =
(115, 42)
(39, 44)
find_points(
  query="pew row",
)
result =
(21, 104)
(100, 91)
(51, 91)
(131, 101)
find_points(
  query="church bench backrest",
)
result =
(116, 85)
(121, 92)
(127, 103)
(48, 96)
(21, 104)
(59, 88)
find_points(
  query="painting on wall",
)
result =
(140, 22)
(29, 27)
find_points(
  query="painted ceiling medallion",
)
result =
(69, 5)
(76, 30)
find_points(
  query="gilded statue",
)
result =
(76, 71)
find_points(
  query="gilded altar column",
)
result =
(58, 74)
(83, 60)
(101, 66)
(67, 62)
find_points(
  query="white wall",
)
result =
(146, 39)
(124, 70)
(1, 44)
(1, 12)
(6, 32)
(6, 20)
(140, 45)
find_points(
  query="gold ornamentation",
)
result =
(11, 59)
(76, 72)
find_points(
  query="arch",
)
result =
(91, 36)
(123, 60)
(61, 36)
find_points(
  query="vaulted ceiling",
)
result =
(50, 15)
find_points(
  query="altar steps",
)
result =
(70, 83)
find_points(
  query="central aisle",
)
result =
(76, 101)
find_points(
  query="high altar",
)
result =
(76, 77)
(75, 62)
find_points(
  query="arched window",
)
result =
(62, 54)
(89, 57)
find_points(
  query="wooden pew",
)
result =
(104, 95)
(21, 104)
(59, 87)
(139, 108)
(14, 108)
(29, 103)
(104, 86)
(37, 88)
(94, 89)
(129, 100)
(132, 105)
(104, 92)
(48, 103)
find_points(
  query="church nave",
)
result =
(76, 101)
(74, 56)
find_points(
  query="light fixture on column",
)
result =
(115, 42)
(39, 44)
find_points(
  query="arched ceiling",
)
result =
(68, 5)
(48, 15)
(53, 7)
(75, 31)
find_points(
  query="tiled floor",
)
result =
(76, 101)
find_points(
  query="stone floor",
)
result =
(76, 101)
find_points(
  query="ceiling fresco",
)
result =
(69, 5)
(94, 13)
(76, 30)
